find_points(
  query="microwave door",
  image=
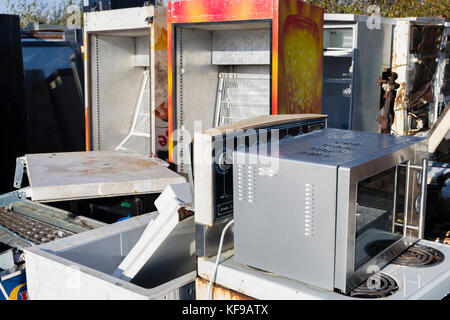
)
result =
(370, 229)
(376, 200)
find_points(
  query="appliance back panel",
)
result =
(279, 235)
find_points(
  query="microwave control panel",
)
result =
(223, 156)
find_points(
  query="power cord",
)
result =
(219, 252)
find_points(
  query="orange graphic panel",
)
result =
(300, 50)
(219, 10)
(297, 44)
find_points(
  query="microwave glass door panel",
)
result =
(375, 216)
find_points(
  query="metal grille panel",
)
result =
(30, 229)
(241, 97)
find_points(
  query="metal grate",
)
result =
(241, 96)
(30, 229)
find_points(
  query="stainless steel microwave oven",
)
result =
(331, 207)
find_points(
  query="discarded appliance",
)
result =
(356, 48)
(147, 257)
(233, 60)
(213, 169)
(420, 54)
(13, 139)
(360, 196)
(378, 178)
(126, 80)
(96, 188)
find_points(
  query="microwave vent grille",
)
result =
(309, 210)
(246, 183)
(330, 150)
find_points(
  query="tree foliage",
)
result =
(59, 12)
(388, 8)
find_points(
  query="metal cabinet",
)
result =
(126, 84)
(355, 53)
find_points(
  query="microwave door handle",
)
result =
(423, 197)
(394, 206)
(405, 215)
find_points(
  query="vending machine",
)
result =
(229, 61)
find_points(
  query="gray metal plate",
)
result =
(78, 175)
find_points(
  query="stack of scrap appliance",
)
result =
(152, 255)
(67, 193)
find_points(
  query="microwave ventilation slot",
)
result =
(241, 96)
(309, 210)
(246, 183)
(330, 150)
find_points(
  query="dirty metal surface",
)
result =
(32, 230)
(378, 285)
(81, 175)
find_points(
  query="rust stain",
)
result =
(183, 213)
(219, 292)
(400, 99)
